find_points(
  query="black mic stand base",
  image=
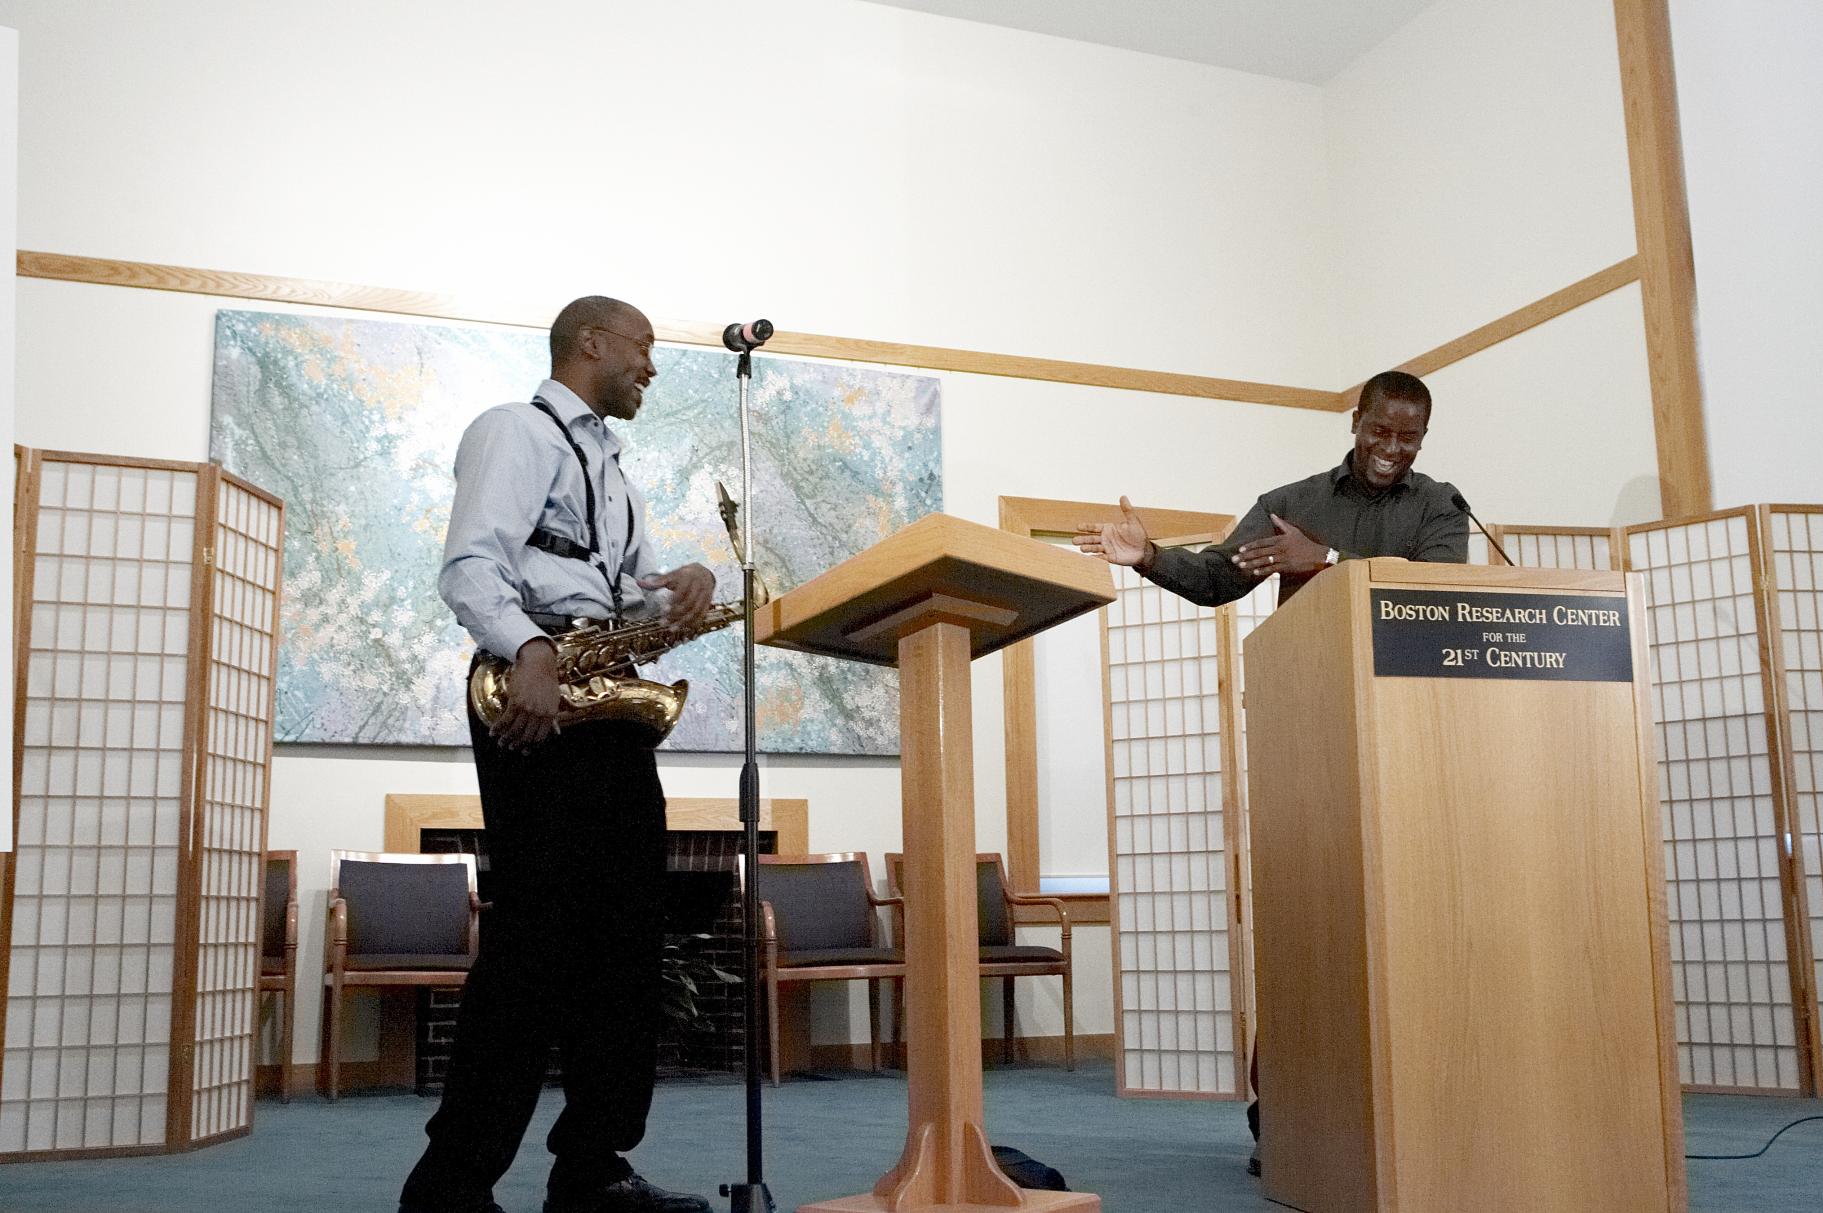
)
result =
(748, 1198)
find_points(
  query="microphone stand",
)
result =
(753, 1195)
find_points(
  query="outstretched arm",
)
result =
(1124, 542)
(1207, 578)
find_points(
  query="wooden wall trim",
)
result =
(1676, 394)
(271, 288)
(1667, 267)
(1512, 324)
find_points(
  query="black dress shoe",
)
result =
(630, 1195)
(1253, 1162)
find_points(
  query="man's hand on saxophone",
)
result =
(531, 697)
(692, 589)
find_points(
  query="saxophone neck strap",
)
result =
(569, 549)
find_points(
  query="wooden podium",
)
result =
(929, 599)
(1459, 903)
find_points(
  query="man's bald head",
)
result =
(601, 349)
(590, 311)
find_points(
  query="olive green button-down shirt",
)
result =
(1415, 518)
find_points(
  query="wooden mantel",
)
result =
(408, 815)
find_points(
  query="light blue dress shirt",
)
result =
(515, 473)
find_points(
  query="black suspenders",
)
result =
(559, 545)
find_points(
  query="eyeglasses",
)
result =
(644, 344)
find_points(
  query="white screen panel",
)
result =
(1541, 550)
(1176, 1033)
(89, 996)
(1729, 961)
(1249, 613)
(232, 805)
(1797, 560)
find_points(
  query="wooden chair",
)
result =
(818, 920)
(395, 920)
(279, 953)
(1002, 955)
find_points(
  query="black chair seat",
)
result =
(381, 961)
(833, 957)
(1020, 954)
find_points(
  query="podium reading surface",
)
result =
(929, 599)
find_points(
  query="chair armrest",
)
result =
(475, 906)
(769, 927)
(291, 940)
(1027, 899)
(897, 922)
(335, 938)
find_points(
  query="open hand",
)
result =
(1122, 542)
(1287, 551)
(692, 590)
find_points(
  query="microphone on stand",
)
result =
(1458, 501)
(745, 338)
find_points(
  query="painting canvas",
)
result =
(354, 423)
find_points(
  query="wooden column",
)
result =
(947, 1160)
(1667, 268)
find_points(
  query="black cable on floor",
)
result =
(1735, 1157)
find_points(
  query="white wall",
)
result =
(9, 211)
(1478, 162)
(1749, 104)
(926, 180)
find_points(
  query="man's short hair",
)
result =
(590, 311)
(1395, 385)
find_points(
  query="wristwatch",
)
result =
(1333, 557)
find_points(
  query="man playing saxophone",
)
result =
(544, 530)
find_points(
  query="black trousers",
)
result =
(569, 956)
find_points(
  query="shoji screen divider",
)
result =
(1550, 547)
(1792, 536)
(146, 645)
(1741, 940)
(1178, 997)
(1238, 621)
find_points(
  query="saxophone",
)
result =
(597, 665)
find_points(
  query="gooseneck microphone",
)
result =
(745, 338)
(1458, 501)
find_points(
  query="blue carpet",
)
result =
(829, 1138)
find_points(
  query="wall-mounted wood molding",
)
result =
(234, 285)
(1661, 224)
(1676, 438)
(1515, 322)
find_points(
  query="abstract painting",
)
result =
(354, 423)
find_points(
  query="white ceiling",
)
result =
(1308, 40)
